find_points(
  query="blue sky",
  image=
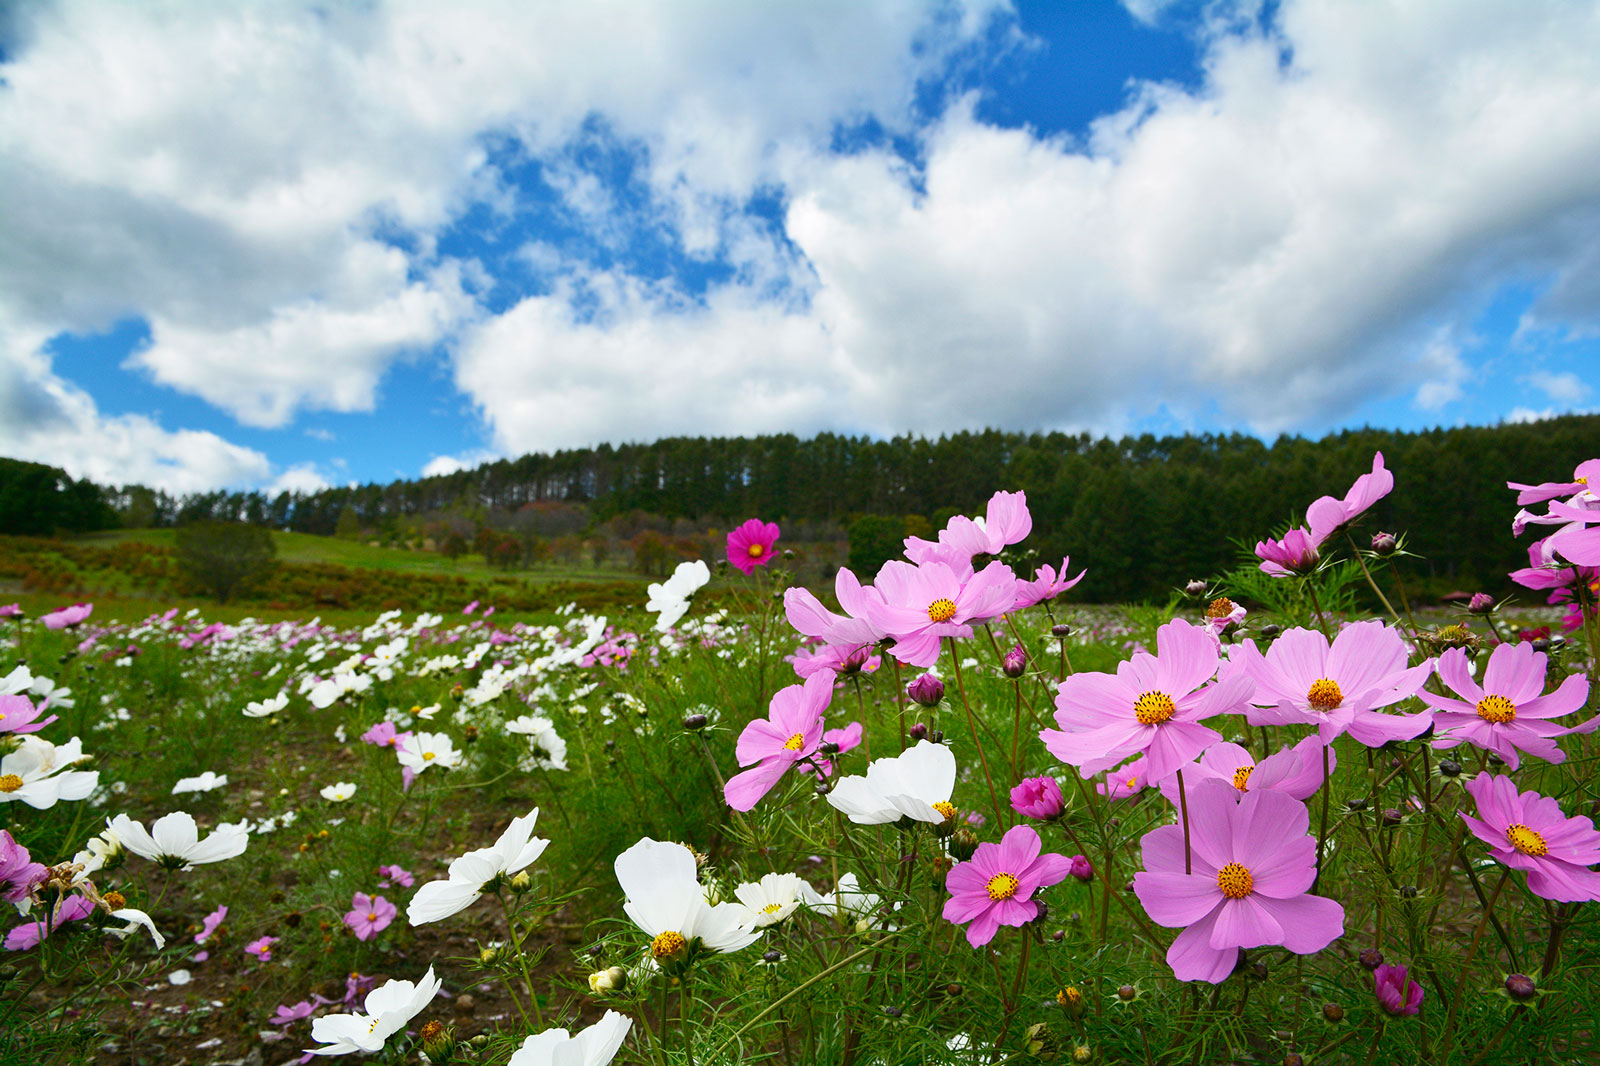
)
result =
(285, 246)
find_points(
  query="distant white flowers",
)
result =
(204, 783)
(670, 599)
(173, 840)
(387, 1010)
(264, 708)
(477, 871)
(339, 792)
(549, 750)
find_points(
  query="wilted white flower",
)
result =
(204, 783)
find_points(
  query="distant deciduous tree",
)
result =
(224, 557)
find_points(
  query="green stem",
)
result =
(955, 659)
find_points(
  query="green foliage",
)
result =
(224, 558)
(874, 540)
(37, 500)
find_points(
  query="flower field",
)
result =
(947, 816)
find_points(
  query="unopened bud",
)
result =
(694, 722)
(1082, 1053)
(520, 881)
(1195, 587)
(1408, 891)
(926, 690)
(1071, 1000)
(937, 736)
(1332, 1012)
(611, 979)
(1520, 987)
(1061, 632)
(1449, 768)
(828, 747)
(1384, 543)
(1015, 661)
(917, 731)
(1481, 603)
(1371, 958)
(488, 955)
(963, 844)
(1127, 993)
(1270, 630)
(893, 1012)
(772, 956)
(1392, 816)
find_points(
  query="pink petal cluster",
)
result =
(18, 872)
(397, 875)
(1328, 516)
(996, 886)
(1295, 771)
(262, 948)
(792, 731)
(1510, 712)
(386, 735)
(32, 934)
(1038, 797)
(1397, 993)
(1251, 867)
(19, 715)
(750, 545)
(1303, 680)
(1006, 521)
(1047, 584)
(67, 617)
(1151, 706)
(210, 923)
(1527, 831)
(1296, 553)
(924, 604)
(369, 915)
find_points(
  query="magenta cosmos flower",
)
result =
(996, 886)
(1585, 478)
(19, 715)
(18, 872)
(1397, 993)
(1252, 864)
(1296, 553)
(1509, 712)
(750, 545)
(1328, 516)
(1152, 705)
(369, 915)
(1038, 797)
(1527, 831)
(1302, 680)
(32, 934)
(924, 604)
(1295, 771)
(67, 617)
(792, 731)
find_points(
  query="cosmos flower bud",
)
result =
(694, 722)
(1332, 1012)
(488, 955)
(1082, 1053)
(611, 979)
(1195, 587)
(963, 843)
(1481, 603)
(1015, 661)
(772, 956)
(1061, 631)
(1371, 958)
(1038, 797)
(520, 882)
(1449, 768)
(1384, 543)
(437, 1040)
(1520, 987)
(1397, 993)
(917, 731)
(1270, 630)
(926, 690)
(855, 662)
(1081, 868)
(1071, 1000)
(1127, 993)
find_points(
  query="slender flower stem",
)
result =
(1183, 806)
(972, 724)
(781, 1000)
(1322, 618)
(1368, 575)
(1472, 949)
(1322, 830)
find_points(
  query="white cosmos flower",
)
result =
(594, 1046)
(907, 785)
(671, 597)
(204, 783)
(16, 682)
(476, 871)
(666, 901)
(338, 793)
(173, 840)
(773, 898)
(850, 903)
(36, 773)
(387, 1010)
(427, 749)
(549, 750)
(136, 918)
(98, 851)
(262, 709)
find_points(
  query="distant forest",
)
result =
(1143, 513)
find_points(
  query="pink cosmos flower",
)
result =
(1587, 474)
(1527, 831)
(1038, 797)
(1296, 553)
(1302, 680)
(385, 735)
(32, 934)
(1579, 541)
(19, 715)
(1296, 771)
(1397, 993)
(847, 739)
(1509, 712)
(262, 948)
(806, 613)
(1328, 516)
(397, 875)
(1047, 584)
(996, 886)
(469, 608)
(1081, 868)
(924, 604)
(792, 731)
(836, 659)
(1006, 521)
(1252, 864)
(289, 1015)
(67, 617)
(1126, 781)
(18, 872)
(11, 610)
(369, 915)
(750, 545)
(209, 924)
(1152, 705)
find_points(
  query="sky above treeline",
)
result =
(284, 245)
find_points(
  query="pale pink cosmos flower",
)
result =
(1251, 865)
(262, 948)
(847, 739)
(1510, 711)
(1126, 781)
(19, 715)
(1586, 478)
(806, 613)
(924, 604)
(287, 1015)
(11, 610)
(369, 915)
(838, 659)
(1303, 680)
(1579, 540)
(209, 924)
(1296, 553)
(1006, 521)
(1328, 516)
(386, 735)
(1047, 584)
(996, 886)
(792, 731)
(1296, 771)
(750, 545)
(1152, 705)
(396, 874)
(1527, 831)
(67, 617)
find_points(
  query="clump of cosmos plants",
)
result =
(944, 818)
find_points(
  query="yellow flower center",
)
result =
(946, 808)
(772, 908)
(1582, 480)
(755, 551)
(668, 945)
(1003, 886)
(941, 610)
(115, 900)
(372, 916)
(427, 756)
(10, 782)
(1235, 881)
(1221, 607)
(1325, 694)
(1153, 708)
(1069, 995)
(1241, 778)
(795, 742)
(1526, 840)
(1497, 709)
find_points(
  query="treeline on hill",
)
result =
(39, 500)
(1143, 513)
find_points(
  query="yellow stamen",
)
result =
(1235, 881)
(10, 782)
(1241, 778)
(1526, 840)
(755, 551)
(772, 908)
(941, 610)
(1153, 708)
(1497, 709)
(795, 742)
(1003, 886)
(1221, 607)
(1325, 694)
(667, 945)
(946, 808)
(427, 755)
